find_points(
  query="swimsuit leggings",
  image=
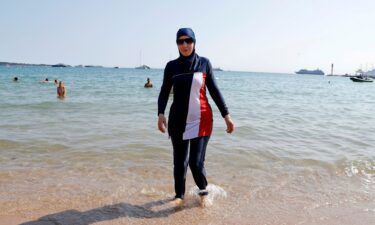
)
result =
(195, 160)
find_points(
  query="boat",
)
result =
(361, 78)
(314, 72)
(143, 67)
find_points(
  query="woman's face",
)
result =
(185, 48)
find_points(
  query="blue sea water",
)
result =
(298, 138)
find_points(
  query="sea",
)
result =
(302, 152)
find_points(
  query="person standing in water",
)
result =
(61, 90)
(148, 84)
(190, 117)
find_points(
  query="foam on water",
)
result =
(214, 192)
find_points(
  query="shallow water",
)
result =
(302, 151)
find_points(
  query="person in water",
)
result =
(190, 117)
(56, 83)
(44, 81)
(148, 84)
(15, 79)
(61, 90)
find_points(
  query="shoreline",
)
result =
(251, 198)
(156, 211)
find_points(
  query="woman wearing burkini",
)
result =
(190, 116)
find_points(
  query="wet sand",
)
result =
(156, 212)
(115, 199)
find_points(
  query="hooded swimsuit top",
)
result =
(190, 114)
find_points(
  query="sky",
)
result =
(241, 35)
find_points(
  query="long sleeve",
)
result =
(164, 91)
(215, 92)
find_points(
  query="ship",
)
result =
(314, 72)
(143, 67)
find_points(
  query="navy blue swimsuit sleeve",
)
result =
(165, 90)
(215, 92)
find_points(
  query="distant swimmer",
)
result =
(15, 79)
(148, 84)
(44, 81)
(56, 83)
(61, 90)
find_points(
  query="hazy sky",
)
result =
(248, 35)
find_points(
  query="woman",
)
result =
(61, 90)
(190, 117)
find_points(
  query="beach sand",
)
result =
(124, 201)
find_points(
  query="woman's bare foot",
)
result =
(205, 201)
(177, 202)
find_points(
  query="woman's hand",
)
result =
(162, 123)
(230, 125)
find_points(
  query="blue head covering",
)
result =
(187, 62)
(185, 32)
